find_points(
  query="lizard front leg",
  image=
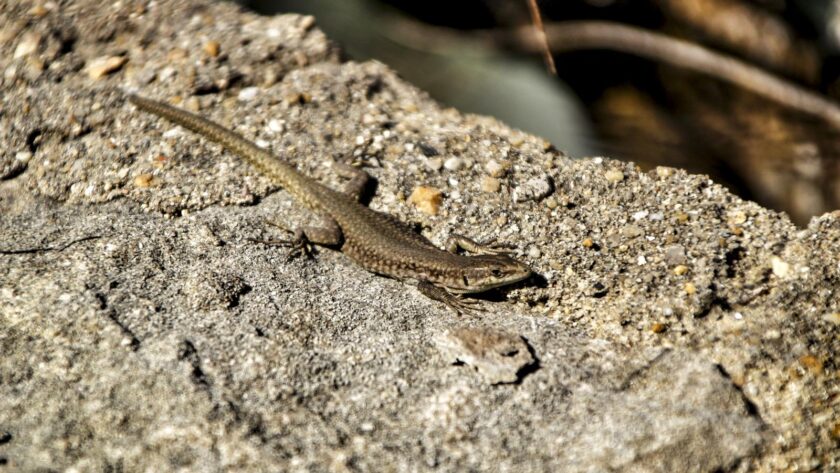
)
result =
(457, 242)
(359, 179)
(454, 302)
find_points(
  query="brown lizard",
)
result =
(375, 241)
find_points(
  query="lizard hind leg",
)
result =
(358, 179)
(303, 239)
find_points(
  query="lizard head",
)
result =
(485, 272)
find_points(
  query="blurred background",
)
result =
(741, 90)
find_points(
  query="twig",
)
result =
(48, 248)
(539, 31)
(577, 35)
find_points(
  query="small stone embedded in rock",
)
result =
(428, 150)
(496, 168)
(276, 126)
(426, 199)
(143, 180)
(674, 255)
(434, 164)
(28, 44)
(664, 171)
(100, 67)
(736, 217)
(490, 184)
(614, 175)
(536, 188)
(212, 48)
(658, 327)
(781, 269)
(631, 231)
(497, 355)
(248, 93)
(454, 164)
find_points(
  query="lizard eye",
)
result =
(496, 272)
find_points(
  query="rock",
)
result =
(497, 355)
(536, 188)
(150, 328)
(426, 199)
(102, 66)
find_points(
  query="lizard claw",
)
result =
(298, 244)
(494, 248)
(455, 302)
(463, 306)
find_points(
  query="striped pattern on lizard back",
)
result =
(372, 239)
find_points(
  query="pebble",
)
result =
(453, 164)
(434, 164)
(212, 48)
(166, 73)
(679, 270)
(614, 175)
(192, 104)
(631, 231)
(426, 199)
(664, 171)
(814, 364)
(496, 168)
(143, 180)
(772, 334)
(736, 217)
(690, 288)
(100, 67)
(781, 269)
(832, 317)
(674, 255)
(640, 215)
(428, 151)
(23, 156)
(490, 184)
(28, 44)
(276, 126)
(248, 93)
(533, 189)
(534, 252)
(39, 11)
(658, 327)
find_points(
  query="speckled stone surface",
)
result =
(673, 327)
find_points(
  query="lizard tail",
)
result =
(232, 141)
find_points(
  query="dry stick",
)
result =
(536, 17)
(576, 35)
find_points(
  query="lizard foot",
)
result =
(455, 302)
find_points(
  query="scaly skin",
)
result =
(375, 241)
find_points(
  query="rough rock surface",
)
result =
(674, 326)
